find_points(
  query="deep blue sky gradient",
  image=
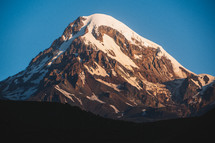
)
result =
(185, 28)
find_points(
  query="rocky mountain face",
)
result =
(102, 66)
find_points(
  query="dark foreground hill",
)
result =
(54, 122)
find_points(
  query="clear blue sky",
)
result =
(185, 28)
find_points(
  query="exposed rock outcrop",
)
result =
(110, 70)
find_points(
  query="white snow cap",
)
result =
(96, 20)
(92, 22)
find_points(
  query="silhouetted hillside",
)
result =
(55, 122)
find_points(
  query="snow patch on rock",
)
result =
(93, 97)
(130, 79)
(114, 86)
(138, 56)
(68, 95)
(113, 72)
(20, 93)
(114, 108)
(176, 65)
(209, 77)
(107, 45)
(97, 71)
(82, 76)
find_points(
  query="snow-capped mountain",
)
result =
(100, 65)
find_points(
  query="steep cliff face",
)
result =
(101, 65)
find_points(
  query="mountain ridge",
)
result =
(102, 66)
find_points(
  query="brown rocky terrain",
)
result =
(98, 68)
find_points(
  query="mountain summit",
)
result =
(100, 65)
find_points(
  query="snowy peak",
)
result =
(93, 22)
(91, 27)
(101, 65)
(96, 20)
